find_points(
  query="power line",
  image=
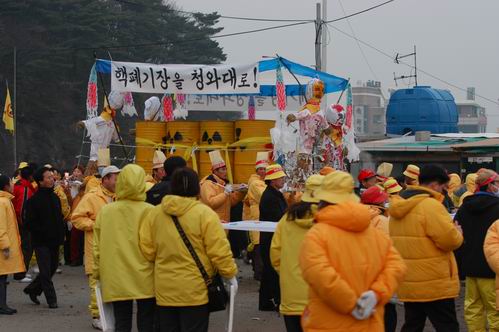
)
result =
(411, 66)
(360, 12)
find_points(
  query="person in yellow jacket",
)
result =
(181, 293)
(216, 191)
(11, 256)
(251, 209)
(83, 218)
(470, 183)
(124, 273)
(392, 187)
(352, 268)
(411, 174)
(285, 251)
(425, 235)
(491, 251)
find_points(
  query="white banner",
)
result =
(186, 79)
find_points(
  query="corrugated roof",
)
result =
(409, 143)
(485, 143)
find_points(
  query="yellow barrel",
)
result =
(151, 130)
(244, 161)
(214, 133)
(183, 133)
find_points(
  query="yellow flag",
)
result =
(8, 115)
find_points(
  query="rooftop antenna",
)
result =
(397, 61)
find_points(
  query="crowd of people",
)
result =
(341, 257)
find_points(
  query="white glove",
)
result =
(69, 225)
(233, 282)
(365, 305)
(228, 189)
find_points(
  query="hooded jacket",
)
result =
(159, 190)
(9, 237)
(378, 219)
(491, 250)
(342, 257)
(84, 216)
(251, 207)
(470, 184)
(23, 190)
(424, 234)
(475, 216)
(44, 219)
(284, 254)
(124, 273)
(178, 281)
(213, 195)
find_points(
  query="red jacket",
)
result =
(23, 190)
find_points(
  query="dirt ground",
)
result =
(72, 315)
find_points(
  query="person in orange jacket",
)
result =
(352, 268)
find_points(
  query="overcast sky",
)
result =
(456, 40)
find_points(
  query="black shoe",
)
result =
(5, 311)
(32, 297)
(14, 311)
(53, 306)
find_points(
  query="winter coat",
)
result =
(343, 256)
(65, 207)
(23, 190)
(284, 255)
(425, 235)
(123, 271)
(213, 195)
(251, 208)
(177, 279)
(470, 187)
(475, 216)
(491, 250)
(84, 216)
(44, 219)
(159, 190)
(9, 237)
(378, 219)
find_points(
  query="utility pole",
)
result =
(14, 111)
(318, 37)
(324, 49)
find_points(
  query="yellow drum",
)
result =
(182, 133)
(214, 133)
(244, 159)
(151, 130)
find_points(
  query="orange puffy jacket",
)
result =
(342, 257)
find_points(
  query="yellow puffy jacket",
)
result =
(343, 256)
(378, 219)
(284, 254)
(177, 279)
(491, 250)
(124, 273)
(65, 208)
(84, 216)
(213, 195)
(251, 208)
(425, 235)
(470, 187)
(9, 237)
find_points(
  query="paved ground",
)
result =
(73, 316)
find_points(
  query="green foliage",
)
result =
(56, 40)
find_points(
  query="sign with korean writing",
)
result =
(185, 79)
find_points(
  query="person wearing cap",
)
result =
(470, 184)
(45, 222)
(216, 191)
(251, 209)
(83, 218)
(23, 191)
(125, 275)
(411, 174)
(478, 212)
(163, 188)
(392, 187)
(272, 207)
(367, 179)
(383, 172)
(326, 170)
(285, 251)
(158, 169)
(352, 268)
(426, 236)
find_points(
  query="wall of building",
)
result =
(369, 107)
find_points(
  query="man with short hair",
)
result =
(478, 212)
(367, 179)
(161, 189)
(425, 235)
(45, 222)
(84, 217)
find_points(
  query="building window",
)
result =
(378, 119)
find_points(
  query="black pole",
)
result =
(112, 117)
(342, 91)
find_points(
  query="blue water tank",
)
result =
(421, 109)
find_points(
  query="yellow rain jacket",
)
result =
(84, 216)
(177, 279)
(491, 250)
(284, 254)
(9, 237)
(213, 195)
(124, 273)
(470, 187)
(251, 208)
(65, 208)
(425, 235)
